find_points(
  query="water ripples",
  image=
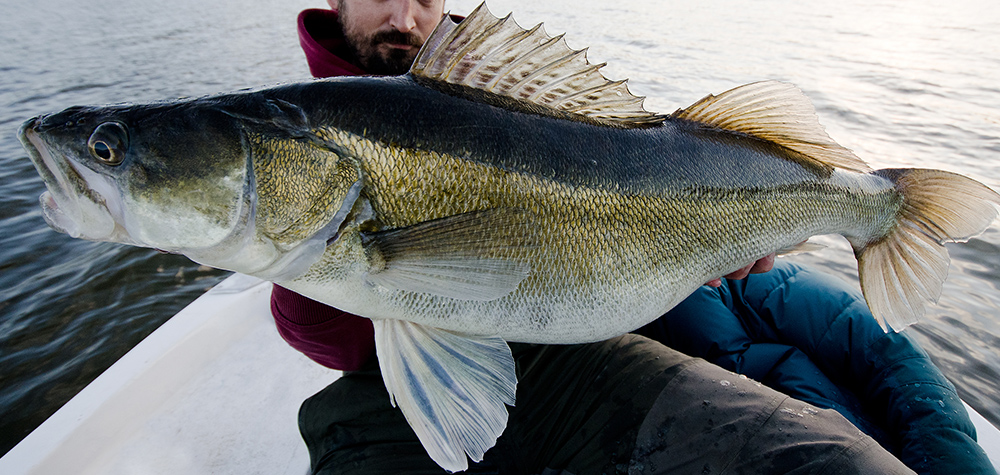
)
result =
(902, 86)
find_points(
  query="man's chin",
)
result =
(392, 63)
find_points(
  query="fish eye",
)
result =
(108, 143)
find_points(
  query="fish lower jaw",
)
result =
(56, 218)
(81, 219)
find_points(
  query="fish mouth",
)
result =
(71, 203)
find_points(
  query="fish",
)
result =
(503, 190)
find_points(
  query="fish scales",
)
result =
(652, 226)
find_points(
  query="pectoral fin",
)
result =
(480, 255)
(451, 387)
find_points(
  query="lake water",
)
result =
(901, 83)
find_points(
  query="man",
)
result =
(381, 38)
(625, 404)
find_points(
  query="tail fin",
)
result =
(909, 265)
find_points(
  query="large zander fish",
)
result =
(503, 190)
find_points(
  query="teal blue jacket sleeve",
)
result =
(811, 336)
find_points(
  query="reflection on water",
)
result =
(911, 85)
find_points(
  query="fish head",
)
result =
(165, 176)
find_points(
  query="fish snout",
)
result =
(68, 118)
(29, 124)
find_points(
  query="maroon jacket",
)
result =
(320, 35)
(329, 336)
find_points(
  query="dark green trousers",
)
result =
(625, 405)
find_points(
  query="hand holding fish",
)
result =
(759, 266)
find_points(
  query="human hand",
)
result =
(762, 265)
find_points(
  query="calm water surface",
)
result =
(901, 83)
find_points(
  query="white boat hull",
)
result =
(213, 390)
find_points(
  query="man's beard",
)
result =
(366, 52)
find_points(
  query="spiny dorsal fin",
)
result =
(498, 56)
(777, 112)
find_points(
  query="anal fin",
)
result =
(451, 387)
(802, 247)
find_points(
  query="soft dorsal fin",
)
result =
(498, 56)
(777, 112)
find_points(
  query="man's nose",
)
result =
(402, 16)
